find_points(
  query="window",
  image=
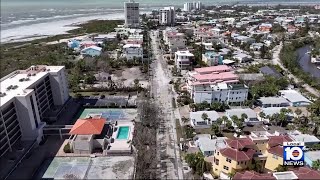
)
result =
(228, 160)
(218, 153)
(226, 167)
(238, 163)
(245, 163)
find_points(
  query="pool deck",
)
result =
(122, 144)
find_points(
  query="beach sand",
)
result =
(42, 30)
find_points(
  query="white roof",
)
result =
(184, 53)
(273, 100)
(205, 143)
(294, 96)
(299, 137)
(273, 110)
(288, 175)
(228, 61)
(132, 46)
(15, 78)
(238, 112)
(93, 47)
(213, 115)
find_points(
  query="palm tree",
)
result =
(244, 116)
(204, 116)
(219, 123)
(224, 120)
(262, 115)
(185, 120)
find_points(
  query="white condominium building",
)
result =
(183, 59)
(131, 14)
(216, 84)
(25, 96)
(167, 16)
(132, 51)
(189, 6)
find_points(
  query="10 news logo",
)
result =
(293, 154)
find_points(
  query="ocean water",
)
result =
(28, 18)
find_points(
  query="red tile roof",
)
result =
(220, 68)
(239, 143)
(278, 140)
(88, 126)
(277, 150)
(307, 173)
(237, 155)
(252, 175)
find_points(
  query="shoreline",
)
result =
(25, 34)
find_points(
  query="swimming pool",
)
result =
(123, 132)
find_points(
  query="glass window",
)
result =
(226, 167)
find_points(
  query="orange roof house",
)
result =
(88, 126)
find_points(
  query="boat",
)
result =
(318, 67)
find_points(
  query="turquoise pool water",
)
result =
(123, 132)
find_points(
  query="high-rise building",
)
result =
(167, 16)
(189, 6)
(131, 14)
(197, 5)
(25, 98)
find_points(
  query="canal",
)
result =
(305, 62)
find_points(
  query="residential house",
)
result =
(216, 84)
(87, 43)
(183, 59)
(295, 98)
(265, 27)
(101, 38)
(92, 51)
(243, 39)
(197, 121)
(236, 156)
(275, 151)
(176, 41)
(250, 120)
(271, 111)
(242, 58)
(256, 47)
(265, 102)
(212, 59)
(133, 51)
(72, 43)
(311, 156)
(209, 144)
(308, 139)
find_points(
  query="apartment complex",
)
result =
(133, 51)
(216, 84)
(131, 14)
(167, 16)
(25, 98)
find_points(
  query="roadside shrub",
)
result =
(67, 148)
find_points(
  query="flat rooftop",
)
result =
(18, 82)
(117, 167)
